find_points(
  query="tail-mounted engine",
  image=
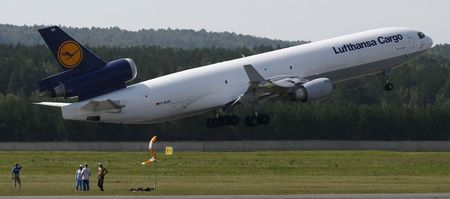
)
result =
(70, 83)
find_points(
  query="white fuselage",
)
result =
(209, 87)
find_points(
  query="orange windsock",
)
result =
(151, 151)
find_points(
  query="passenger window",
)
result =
(421, 35)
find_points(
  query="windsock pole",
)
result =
(152, 159)
(154, 186)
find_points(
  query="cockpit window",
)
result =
(421, 35)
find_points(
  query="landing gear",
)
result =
(227, 120)
(257, 119)
(388, 86)
(233, 120)
(251, 121)
(212, 122)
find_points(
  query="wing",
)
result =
(103, 106)
(261, 88)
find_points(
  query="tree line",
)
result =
(116, 37)
(417, 109)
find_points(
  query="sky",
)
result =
(309, 20)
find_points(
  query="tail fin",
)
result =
(69, 53)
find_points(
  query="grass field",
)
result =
(52, 173)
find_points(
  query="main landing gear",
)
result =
(233, 120)
(257, 119)
(226, 120)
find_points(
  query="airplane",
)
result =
(301, 73)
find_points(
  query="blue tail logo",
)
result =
(85, 75)
(70, 54)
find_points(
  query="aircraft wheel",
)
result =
(217, 122)
(223, 120)
(263, 119)
(231, 120)
(209, 122)
(388, 86)
(213, 122)
(251, 121)
(234, 120)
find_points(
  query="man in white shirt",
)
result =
(85, 174)
(78, 179)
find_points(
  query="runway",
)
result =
(309, 196)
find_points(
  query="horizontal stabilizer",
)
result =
(102, 105)
(54, 104)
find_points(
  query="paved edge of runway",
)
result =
(305, 196)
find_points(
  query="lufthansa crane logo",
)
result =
(70, 54)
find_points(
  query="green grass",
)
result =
(52, 173)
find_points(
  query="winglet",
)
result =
(253, 74)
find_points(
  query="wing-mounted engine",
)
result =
(295, 87)
(70, 83)
(316, 89)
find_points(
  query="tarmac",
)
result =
(308, 196)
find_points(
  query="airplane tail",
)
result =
(85, 75)
(69, 53)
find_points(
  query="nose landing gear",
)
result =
(388, 86)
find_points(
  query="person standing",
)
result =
(102, 171)
(15, 174)
(78, 179)
(85, 175)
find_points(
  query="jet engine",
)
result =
(110, 77)
(313, 90)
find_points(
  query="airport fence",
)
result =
(210, 146)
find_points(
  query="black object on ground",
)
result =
(142, 189)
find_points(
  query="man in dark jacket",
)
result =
(102, 171)
(15, 171)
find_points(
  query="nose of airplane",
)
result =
(429, 41)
